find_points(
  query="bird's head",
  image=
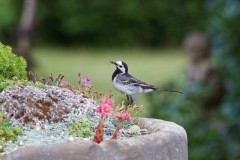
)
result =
(121, 66)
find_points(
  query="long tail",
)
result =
(166, 90)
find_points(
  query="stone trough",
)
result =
(168, 141)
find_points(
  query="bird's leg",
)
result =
(130, 100)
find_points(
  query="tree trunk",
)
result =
(23, 40)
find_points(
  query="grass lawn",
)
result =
(155, 66)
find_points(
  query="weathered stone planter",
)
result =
(167, 142)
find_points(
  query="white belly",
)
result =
(127, 90)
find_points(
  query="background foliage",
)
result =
(109, 22)
(212, 134)
(10, 14)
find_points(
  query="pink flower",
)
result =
(108, 101)
(105, 109)
(122, 116)
(87, 82)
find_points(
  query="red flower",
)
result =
(122, 116)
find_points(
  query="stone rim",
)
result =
(168, 141)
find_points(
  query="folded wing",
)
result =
(127, 79)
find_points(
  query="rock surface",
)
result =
(31, 105)
(168, 142)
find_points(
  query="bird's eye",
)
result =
(120, 66)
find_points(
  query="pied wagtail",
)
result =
(127, 84)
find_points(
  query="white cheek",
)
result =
(122, 69)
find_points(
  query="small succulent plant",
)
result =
(7, 131)
(5, 83)
(10, 66)
(82, 128)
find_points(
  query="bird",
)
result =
(128, 85)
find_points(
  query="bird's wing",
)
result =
(127, 79)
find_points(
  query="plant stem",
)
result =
(115, 135)
(98, 137)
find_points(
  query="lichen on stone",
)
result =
(31, 105)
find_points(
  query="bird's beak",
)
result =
(113, 62)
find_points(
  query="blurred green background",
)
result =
(83, 35)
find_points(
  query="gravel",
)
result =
(50, 133)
